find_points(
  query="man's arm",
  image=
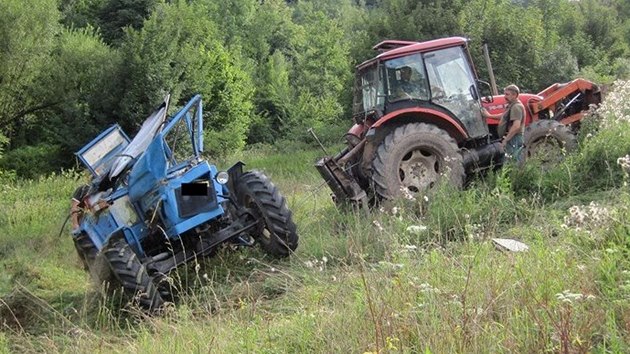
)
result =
(486, 114)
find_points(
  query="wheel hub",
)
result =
(418, 170)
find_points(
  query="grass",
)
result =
(424, 278)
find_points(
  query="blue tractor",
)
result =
(154, 204)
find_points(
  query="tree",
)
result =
(80, 83)
(415, 20)
(79, 13)
(515, 36)
(28, 35)
(322, 71)
(178, 51)
(115, 15)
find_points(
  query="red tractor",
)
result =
(417, 113)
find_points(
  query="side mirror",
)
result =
(486, 91)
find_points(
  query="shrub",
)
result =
(33, 161)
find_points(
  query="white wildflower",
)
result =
(587, 217)
(624, 162)
(416, 229)
(570, 298)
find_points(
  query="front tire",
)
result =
(132, 276)
(413, 158)
(277, 233)
(548, 141)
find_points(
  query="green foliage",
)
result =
(32, 161)
(357, 283)
(273, 100)
(596, 165)
(413, 20)
(560, 66)
(322, 71)
(3, 142)
(516, 41)
(79, 13)
(176, 52)
(114, 16)
(28, 33)
(621, 68)
(77, 93)
(83, 79)
(268, 70)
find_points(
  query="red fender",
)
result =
(426, 115)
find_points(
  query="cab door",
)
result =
(453, 87)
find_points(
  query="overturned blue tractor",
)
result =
(154, 204)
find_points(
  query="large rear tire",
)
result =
(413, 159)
(138, 286)
(548, 141)
(277, 234)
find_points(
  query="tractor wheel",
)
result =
(413, 158)
(133, 277)
(85, 249)
(548, 141)
(277, 234)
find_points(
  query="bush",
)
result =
(33, 161)
(621, 68)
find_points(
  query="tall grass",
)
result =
(424, 277)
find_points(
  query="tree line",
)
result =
(267, 69)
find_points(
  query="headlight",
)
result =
(222, 177)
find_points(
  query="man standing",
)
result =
(512, 123)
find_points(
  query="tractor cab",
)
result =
(436, 77)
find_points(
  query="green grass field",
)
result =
(423, 277)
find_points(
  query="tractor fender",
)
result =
(234, 174)
(389, 122)
(419, 115)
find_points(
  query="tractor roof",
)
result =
(392, 49)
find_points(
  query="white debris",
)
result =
(507, 244)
